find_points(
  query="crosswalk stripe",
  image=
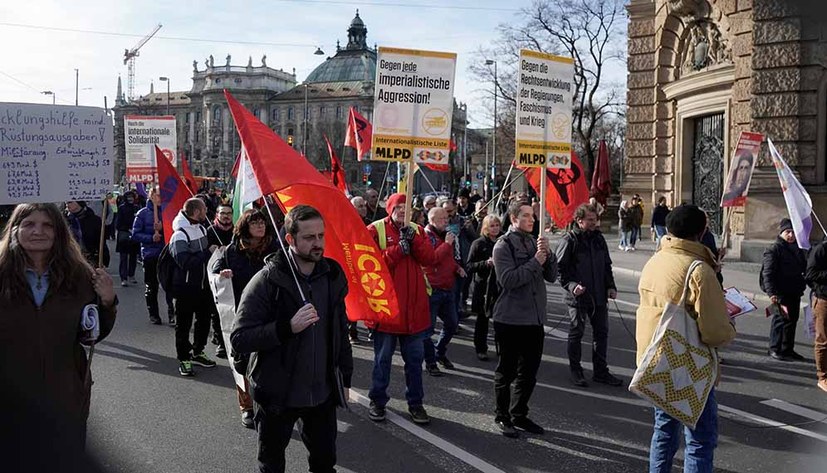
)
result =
(772, 423)
(796, 409)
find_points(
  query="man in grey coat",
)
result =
(522, 264)
(586, 276)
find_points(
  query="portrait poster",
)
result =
(741, 168)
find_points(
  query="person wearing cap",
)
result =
(782, 278)
(405, 249)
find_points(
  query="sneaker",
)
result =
(133, 281)
(528, 425)
(822, 383)
(155, 320)
(202, 360)
(247, 419)
(779, 356)
(221, 352)
(185, 368)
(445, 362)
(124, 284)
(171, 320)
(506, 428)
(578, 379)
(482, 356)
(433, 370)
(607, 378)
(418, 415)
(354, 339)
(631, 248)
(621, 247)
(376, 413)
(795, 356)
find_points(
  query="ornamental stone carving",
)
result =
(689, 8)
(703, 46)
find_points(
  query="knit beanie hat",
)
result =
(785, 224)
(395, 200)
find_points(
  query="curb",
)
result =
(756, 296)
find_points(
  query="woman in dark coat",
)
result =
(126, 248)
(782, 278)
(86, 228)
(253, 239)
(481, 265)
(45, 285)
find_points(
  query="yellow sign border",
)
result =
(546, 56)
(417, 52)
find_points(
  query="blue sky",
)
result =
(37, 59)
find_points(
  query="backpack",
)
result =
(166, 267)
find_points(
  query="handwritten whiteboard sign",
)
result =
(53, 153)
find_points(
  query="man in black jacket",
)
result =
(301, 362)
(816, 276)
(782, 278)
(586, 276)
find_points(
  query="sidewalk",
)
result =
(744, 276)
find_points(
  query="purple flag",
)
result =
(141, 189)
(799, 205)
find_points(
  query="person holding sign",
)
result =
(46, 286)
(782, 278)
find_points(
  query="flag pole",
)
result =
(507, 183)
(542, 200)
(500, 194)
(823, 231)
(103, 232)
(381, 188)
(287, 255)
(408, 185)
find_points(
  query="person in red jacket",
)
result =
(405, 249)
(442, 277)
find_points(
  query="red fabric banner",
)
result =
(565, 190)
(337, 173)
(359, 133)
(279, 169)
(173, 192)
(602, 175)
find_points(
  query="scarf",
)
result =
(223, 228)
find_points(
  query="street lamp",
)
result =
(49, 92)
(489, 62)
(166, 79)
(318, 52)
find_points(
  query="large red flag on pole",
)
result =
(359, 133)
(279, 169)
(602, 175)
(565, 190)
(189, 179)
(337, 173)
(173, 192)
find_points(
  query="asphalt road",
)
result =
(146, 418)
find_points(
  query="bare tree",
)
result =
(592, 32)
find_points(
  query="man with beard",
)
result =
(297, 336)
(586, 277)
(361, 207)
(219, 234)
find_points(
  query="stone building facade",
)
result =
(702, 71)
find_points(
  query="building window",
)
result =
(276, 115)
(290, 113)
(216, 115)
(338, 112)
(321, 111)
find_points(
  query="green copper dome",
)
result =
(355, 62)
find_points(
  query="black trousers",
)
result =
(782, 330)
(521, 348)
(151, 286)
(481, 324)
(598, 317)
(317, 427)
(188, 305)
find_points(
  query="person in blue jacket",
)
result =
(150, 234)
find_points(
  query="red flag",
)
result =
(565, 190)
(359, 133)
(234, 172)
(279, 169)
(189, 179)
(337, 174)
(602, 176)
(173, 192)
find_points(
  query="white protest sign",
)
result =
(141, 134)
(413, 105)
(53, 153)
(544, 102)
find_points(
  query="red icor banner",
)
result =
(173, 192)
(565, 190)
(279, 169)
(359, 133)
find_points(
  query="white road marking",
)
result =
(765, 421)
(796, 409)
(438, 442)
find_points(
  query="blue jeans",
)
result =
(444, 305)
(700, 443)
(660, 232)
(625, 236)
(635, 236)
(384, 344)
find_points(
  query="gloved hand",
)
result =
(407, 233)
(405, 245)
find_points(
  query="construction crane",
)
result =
(129, 56)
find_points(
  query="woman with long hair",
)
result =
(481, 265)
(46, 288)
(253, 239)
(624, 224)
